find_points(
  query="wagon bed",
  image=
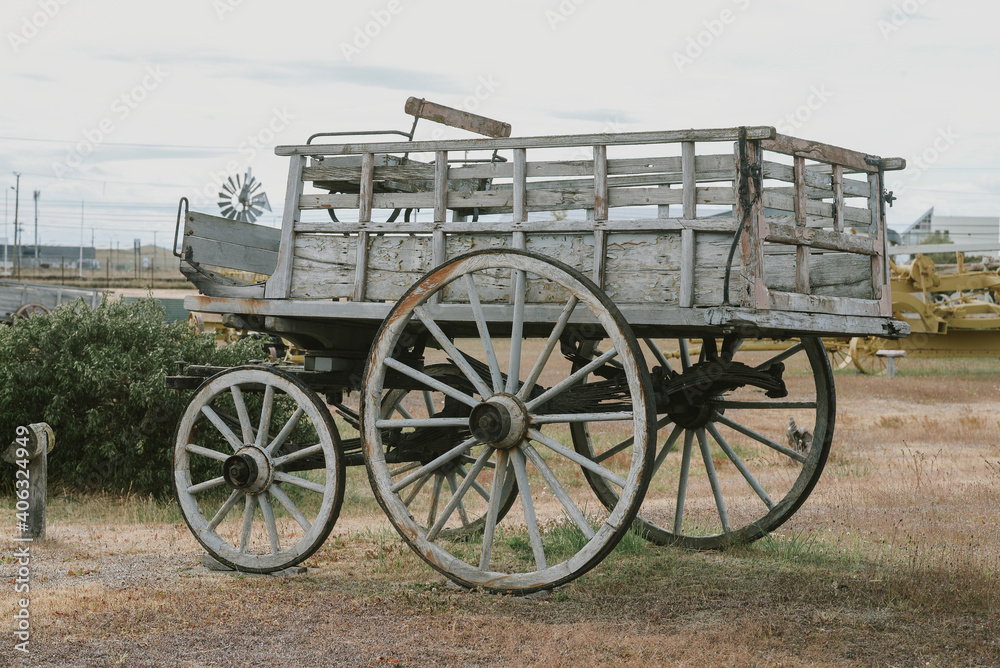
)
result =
(520, 361)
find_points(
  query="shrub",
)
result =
(96, 376)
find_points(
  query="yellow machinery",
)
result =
(953, 314)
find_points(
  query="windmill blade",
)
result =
(228, 211)
(260, 201)
(251, 216)
(232, 186)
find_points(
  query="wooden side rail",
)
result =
(803, 197)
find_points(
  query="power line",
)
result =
(124, 144)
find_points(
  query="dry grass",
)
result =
(894, 561)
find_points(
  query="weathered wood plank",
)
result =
(552, 141)
(877, 234)
(750, 288)
(601, 182)
(801, 251)
(440, 186)
(686, 297)
(361, 268)
(830, 274)
(824, 209)
(519, 185)
(791, 301)
(837, 179)
(721, 224)
(456, 118)
(815, 178)
(279, 285)
(689, 180)
(814, 150)
(366, 188)
(818, 238)
(647, 321)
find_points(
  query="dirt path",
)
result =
(894, 561)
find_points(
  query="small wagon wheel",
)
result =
(863, 351)
(258, 469)
(516, 424)
(732, 465)
(411, 448)
(32, 308)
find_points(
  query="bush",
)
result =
(96, 376)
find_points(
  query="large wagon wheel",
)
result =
(258, 469)
(411, 448)
(522, 404)
(733, 463)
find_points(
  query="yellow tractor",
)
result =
(952, 313)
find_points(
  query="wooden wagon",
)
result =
(516, 376)
(19, 299)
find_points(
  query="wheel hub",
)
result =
(500, 422)
(249, 470)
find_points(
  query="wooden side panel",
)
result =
(830, 274)
(395, 263)
(643, 267)
(233, 244)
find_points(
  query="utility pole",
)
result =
(152, 272)
(37, 263)
(17, 236)
(80, 269)
(6, 234)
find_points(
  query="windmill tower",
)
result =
(241, 201)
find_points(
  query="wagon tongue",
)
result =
(685, 397)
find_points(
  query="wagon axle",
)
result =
(687, 397)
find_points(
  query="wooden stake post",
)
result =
(29, 453)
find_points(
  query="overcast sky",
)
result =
(127, 106)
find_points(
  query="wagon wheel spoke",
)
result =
(286, 430)
(517, 330)
(223, 428)
(527, 505)
(290, 506)
(713, 480)
(763, 444)
(214, 469)
(496, 495)
(683, 482)
(226, 508)
(489, 426)
(272, 528)
(265, 416)
(244, 416)
(550, 345)
(484, 333)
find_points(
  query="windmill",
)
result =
(241, 201)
